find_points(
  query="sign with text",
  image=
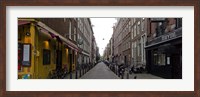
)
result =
(166, 37)
(169, 36)
(157, 19)
(26, 55)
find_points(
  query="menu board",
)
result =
(26, 55)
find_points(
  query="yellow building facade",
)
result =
(46, 51)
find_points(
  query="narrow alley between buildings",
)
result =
(89, 48)
(100, 71)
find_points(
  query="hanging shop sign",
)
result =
(26, 55)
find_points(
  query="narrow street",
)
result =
(71, 48)
(100, 71)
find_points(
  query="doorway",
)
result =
(125, 60)
(58, 59)
(176, 60)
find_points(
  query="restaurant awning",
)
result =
(24, 21)
(56, 35)
(20, 22)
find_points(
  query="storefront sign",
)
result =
(26, 55)
(166, 37)
(169, 36)
(157, 19)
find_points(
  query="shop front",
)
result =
(164, 55)
(41, 50)
(26, 47)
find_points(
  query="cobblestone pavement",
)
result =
(100, 71)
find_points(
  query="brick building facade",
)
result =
(164, 47)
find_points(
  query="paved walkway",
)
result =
(73, 75)
(144, 76)
(100, 71)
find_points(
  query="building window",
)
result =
(46, 57)
(84, 30)
(81, 27)
(135, 44)
(138, 47)
(159, 29)
(138, 28)
(134, 30)
(178, 22)
(70, 29)
(159, 58)
(78, 22)
(132, 22)
(127, 45)
(143, 24)
(132, 49)
(142, 48)
(132, 33)
(74, 33)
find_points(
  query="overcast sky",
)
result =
(102, 30)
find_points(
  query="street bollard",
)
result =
(76, 75)
(79, 73)
(70, 75)
(118, 73)
(127, 75)
(82, 73)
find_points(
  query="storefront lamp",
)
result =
(46, 44)
(28, 34)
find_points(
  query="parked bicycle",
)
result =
(58, 74)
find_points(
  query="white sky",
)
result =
(102, 30)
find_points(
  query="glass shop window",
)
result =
(46, 57)
(159, 59)
(178, 22)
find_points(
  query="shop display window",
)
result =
(46, 57)
(159, 58)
